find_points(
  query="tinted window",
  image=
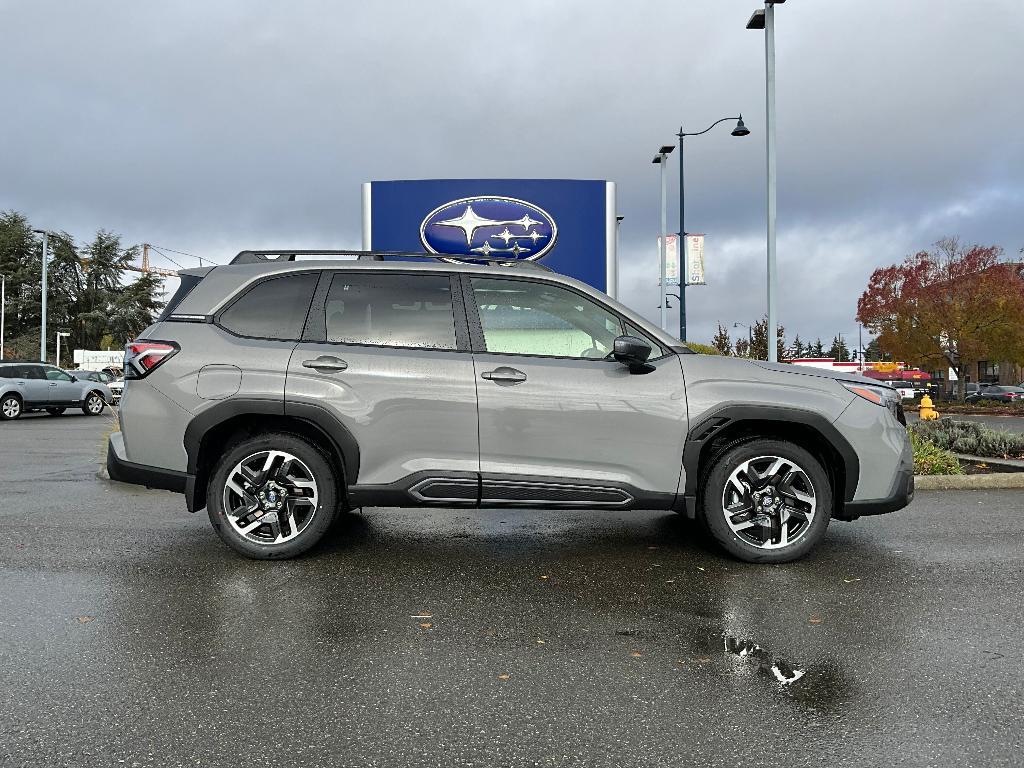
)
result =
(530, 318)
(8, 372)
(53, 374)
(274, 309)
(32, 372)
(391, 310)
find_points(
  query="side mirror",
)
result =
(632, 352)
(73, 377)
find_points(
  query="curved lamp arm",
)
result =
(738, 117)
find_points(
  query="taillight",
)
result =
(143, 357)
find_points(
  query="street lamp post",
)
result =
(3, 311)
(750, 336)
(765, 19)
(42, 312)
(59, 335)
(739, 130)
(662, 159)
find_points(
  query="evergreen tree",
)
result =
(839, 351)
(796, 349)
(817, 349)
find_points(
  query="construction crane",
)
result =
(148, 268)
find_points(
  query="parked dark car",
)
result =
(997, 392)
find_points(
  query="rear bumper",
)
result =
(124, 471)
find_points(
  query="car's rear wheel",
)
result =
(10, 407)
(93, 404)
(767, 501)
(55, 411)
(272, 496)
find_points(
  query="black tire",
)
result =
(55, 411)
(11, 407)
(805, 538)
(319, 521)
(93, 404)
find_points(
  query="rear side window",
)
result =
(32, 372)
(185, 286)
(273, 309)
(7, 372)
(391, 310)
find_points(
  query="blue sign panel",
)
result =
(567, 225)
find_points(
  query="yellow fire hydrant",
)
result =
(928, 412)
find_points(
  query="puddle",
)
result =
(779, 669)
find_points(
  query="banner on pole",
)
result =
(671, 259)
(695, 260)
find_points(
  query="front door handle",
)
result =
(325, 363)
(504, 374)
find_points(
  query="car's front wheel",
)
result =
(272, 496)
(93, 404)
(767, 501)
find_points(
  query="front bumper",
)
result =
(124, 471)
(902, 494)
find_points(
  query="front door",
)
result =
(561, 422)
(387, 355)
(63, 390)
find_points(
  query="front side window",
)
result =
(54, 374)
(273, 309)
(529, 318)
(391, 310)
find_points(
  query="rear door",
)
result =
(37, 386)
(386, 354)
(560, 422)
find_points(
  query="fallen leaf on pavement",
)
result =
(505, 676)
(636, 654)
(426, 625)
(814, 620)
(84, 619)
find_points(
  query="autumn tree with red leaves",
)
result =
(953, 305)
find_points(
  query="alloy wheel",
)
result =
(270, 497)
(11, 408)
(94, 404)
(769, 502)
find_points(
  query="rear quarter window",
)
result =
(272, 309)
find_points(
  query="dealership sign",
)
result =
(568, 225)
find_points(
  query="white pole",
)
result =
(3, 311)
(42, 328)
(664, 241)
(769, 55)
(58, 349)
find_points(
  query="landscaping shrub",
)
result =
(929, 459)
(702, 349)
(970, 437)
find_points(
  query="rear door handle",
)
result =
(504, 374)
(325, 363)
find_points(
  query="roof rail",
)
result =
(262, 257)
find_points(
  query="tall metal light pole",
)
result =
(739, 130)
(765, 19)
(3, 311)
(662, 159)
(42, 326)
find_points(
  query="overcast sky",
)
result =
(208, 127)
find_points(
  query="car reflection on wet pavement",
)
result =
(129, 633)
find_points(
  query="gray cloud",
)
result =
(216, 126)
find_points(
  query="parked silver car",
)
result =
(276, 392)
(28, 386)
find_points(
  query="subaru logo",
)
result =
(492, 227)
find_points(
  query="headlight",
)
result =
(887, 397)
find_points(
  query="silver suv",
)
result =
(276, 392)
(27, 386)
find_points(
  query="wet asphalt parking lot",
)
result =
(129, 635)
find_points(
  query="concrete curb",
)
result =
(968, 482)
